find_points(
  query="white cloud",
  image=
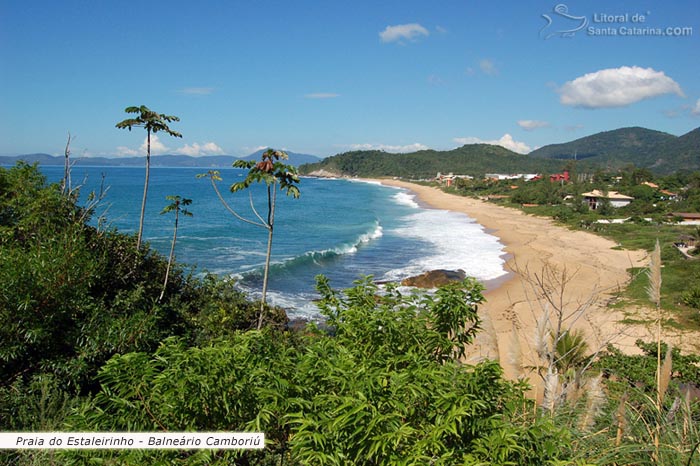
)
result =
(696, 108)
(157, 147)
(402, 32)
(531, 125)
(506, 141)
(196, 90)
(488, 67)
(322, 95)
(416, 146)
(195, 149)
(125, 151)
(617, 87)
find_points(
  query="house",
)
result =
(449, 179)
(555, 178)
(668, 195)
(686, 241)
(687, 218)
(518, 176)
(595, 197)
(560, 177)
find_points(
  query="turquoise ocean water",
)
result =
(340, 228)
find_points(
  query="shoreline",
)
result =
(533, 245)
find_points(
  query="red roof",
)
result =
(687, 215)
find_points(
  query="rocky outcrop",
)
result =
(434, 278)
(324, 174)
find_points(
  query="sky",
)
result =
(326, 77)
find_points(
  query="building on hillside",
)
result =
(686, 218)
(595, 197)
(560, 177)
(555, 178)
(502, 176)
(686, 241)
(449, 179)
(667, 195)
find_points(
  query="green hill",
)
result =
(471, 159)
(660, 152)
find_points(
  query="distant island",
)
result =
(208, 161)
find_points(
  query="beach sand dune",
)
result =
(595, 270)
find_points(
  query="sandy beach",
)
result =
(536, 246)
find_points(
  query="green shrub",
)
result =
(692, 298)
(384, 389)
(72, 296)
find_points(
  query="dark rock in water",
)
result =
(434, 278)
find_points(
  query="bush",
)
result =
(385, 389)
(692, 298)
(72, 296)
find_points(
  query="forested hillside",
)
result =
(473, 159)
(660, 152)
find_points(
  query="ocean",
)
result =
(341, 228)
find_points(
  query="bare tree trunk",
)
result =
(265, 277)
(145, 191)
(66, 168)
(171, 256)
(271, 197)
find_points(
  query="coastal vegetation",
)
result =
(87, 345)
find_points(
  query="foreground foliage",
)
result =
(384, 389)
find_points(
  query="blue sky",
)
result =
(324, 77)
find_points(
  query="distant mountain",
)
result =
(207, 161)
(471, 159)
(214, 161)
(660, 152)
(43, 159)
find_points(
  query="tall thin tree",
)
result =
(177, 207)
(153, 122)
(277, 176)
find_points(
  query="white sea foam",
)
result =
(456, 242)
(406, 198)
(361, 180)
(377, 233)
